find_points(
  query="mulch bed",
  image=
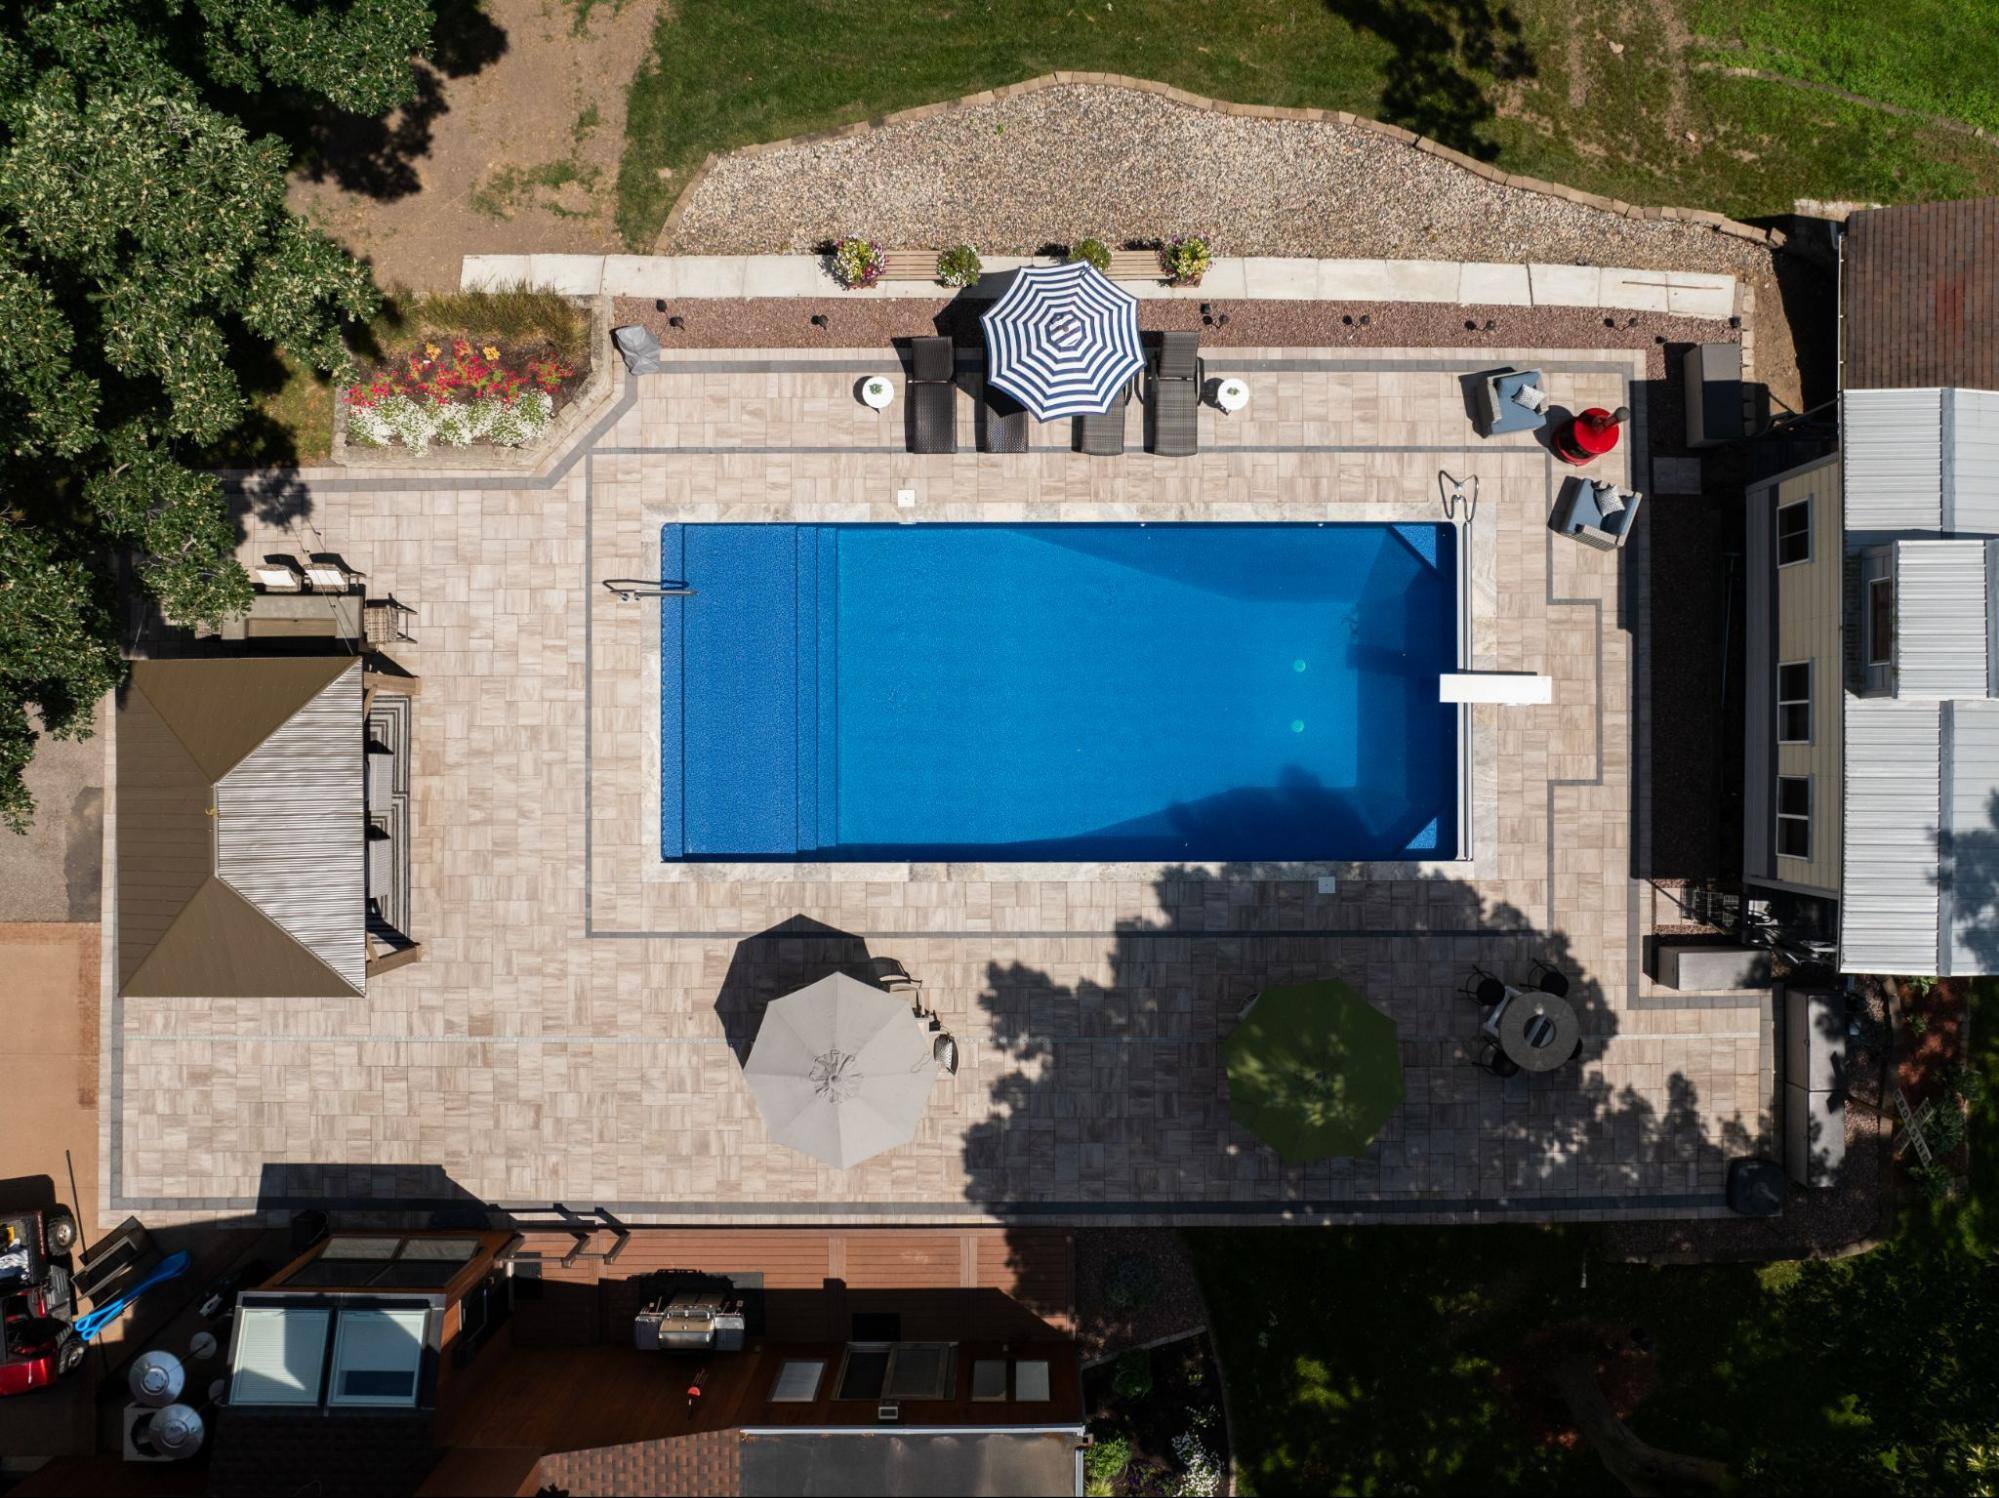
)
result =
(1931, 1040)
(1186, 1392)
(1158, 1257)
(861, 322)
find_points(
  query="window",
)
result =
(1030, 1381)
(1794, 703)
(920, 1371)
(1880, 621)
(1794, 532)
(907, 1370)
(377, 1356)
(798, 1381)
(988, 1379)
(1794, 816)
(865, 1374)
(280, 1355)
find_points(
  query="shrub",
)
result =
(1133, 1379)
(1186, 259)
(1200, 1472)
(958, 266)
(1130, 1284)
(1104, 1464)
(858, 262)
(1092, 252)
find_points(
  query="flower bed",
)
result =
(1156, 1417)
(457, 394)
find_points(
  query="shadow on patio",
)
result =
(1112, 1095)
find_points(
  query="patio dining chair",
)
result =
(933, 396)
(1175, 403)
(1491, 1057)
(1482, 988)
(1550, 980)
(1102, 435)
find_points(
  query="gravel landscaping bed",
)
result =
(1134, 1286)
(1075, 159)
(862, 322)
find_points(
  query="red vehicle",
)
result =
(38, 1343)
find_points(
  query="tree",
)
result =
(56, 654)
(144, 240)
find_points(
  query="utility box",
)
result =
(1693, 967)
(1713, 375)
(1815, 1084)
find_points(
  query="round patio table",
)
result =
(878, 393)
(1538, 1030)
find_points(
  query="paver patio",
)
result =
(568, 1036)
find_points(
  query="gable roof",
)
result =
(1919, 296)
(240, 857)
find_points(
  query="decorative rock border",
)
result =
(1249, 278)
(484, 457)
(1720, 223)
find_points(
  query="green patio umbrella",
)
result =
(1314, 1071)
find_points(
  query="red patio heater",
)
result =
(1590, 435)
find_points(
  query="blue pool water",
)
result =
(1058, 692)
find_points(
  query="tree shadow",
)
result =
(376, 156)
(1443, 51)
(1113, 1095)
(1968, 876)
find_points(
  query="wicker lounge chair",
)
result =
(1103, 436)
(933, 396)
(1002, 422)
(1176, 396)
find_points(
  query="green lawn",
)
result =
(1534, 86)
(1369, 1360)
(1937, 56)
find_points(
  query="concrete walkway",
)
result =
(1261, 278)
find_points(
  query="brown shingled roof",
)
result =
(1919, 297)
(184, 931)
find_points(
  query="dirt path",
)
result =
(509, 153)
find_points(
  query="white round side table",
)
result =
(1231, 396)
(878, 392)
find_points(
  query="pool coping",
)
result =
(1479, 767)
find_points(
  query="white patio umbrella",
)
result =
(841, 1070)
(1063, 341)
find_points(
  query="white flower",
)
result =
(1201, 1474)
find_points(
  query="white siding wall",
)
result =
(1939, 619)
(1892, 444)
(1974, 459)
(1888, 893)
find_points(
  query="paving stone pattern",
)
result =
(573, 1032)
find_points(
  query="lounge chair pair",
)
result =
(1172, 408)
(320, 574)
(933, 405)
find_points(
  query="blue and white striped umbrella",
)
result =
(1063, 340)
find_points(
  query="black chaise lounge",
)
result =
(1103, 436)
(1176, 396)
(1002, 422)
(933, 396)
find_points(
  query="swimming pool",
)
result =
(1058, 692)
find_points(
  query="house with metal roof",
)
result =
(262, 827)
(1872, 764)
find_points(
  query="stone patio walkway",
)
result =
(571, 1035)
